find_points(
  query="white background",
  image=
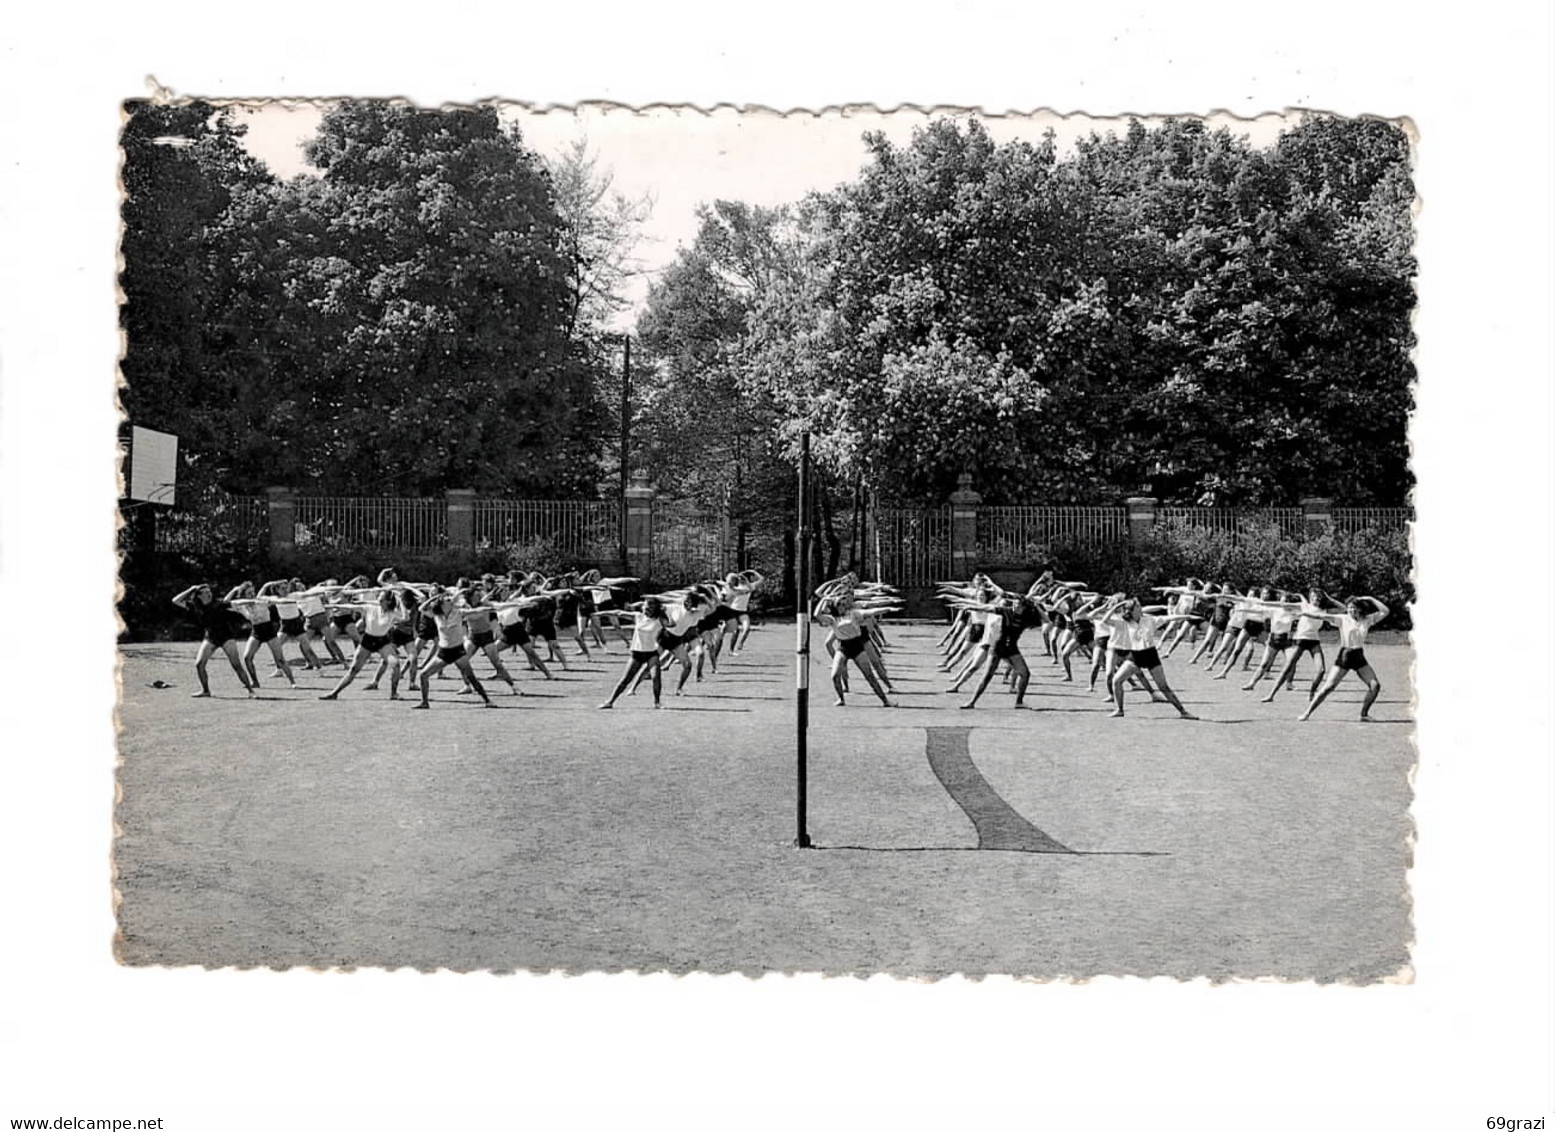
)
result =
(1470, 1039)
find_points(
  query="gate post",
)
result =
(639, 526)
(1141, 517)
(963, 527)
(461, 518)
(282, 507)
(1317, 516)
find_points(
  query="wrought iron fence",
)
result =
(213, 521)
(582, 529)
(912, 545)
(1237, 522)
(1021, 536)
(1349, 520)
(689, 544)
(342, 522)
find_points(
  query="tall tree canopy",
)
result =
(1166, 308)
(400, 322)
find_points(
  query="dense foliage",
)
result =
(404, 321)
(1167, 309)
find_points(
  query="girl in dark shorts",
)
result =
(1010, 619)
(265, 627)
(1142, 627)
(378, 621)
(1220, 600)
(647, 634)
(403, 635)
(1254, 630)
(569, 611)
(676, 640)
(480, 623)
(839, 615)
(222, 625)
(1281, 611)
(510, 624)
(539, 617)
(449, 620)
(1304, 639)
(1360, 614)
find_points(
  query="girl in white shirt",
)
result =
(1360, 614)
(1310, 619)
(849, 629)
(648, 631)
(378, 620)
(265, 629)
(1142, 627)
(449, 619)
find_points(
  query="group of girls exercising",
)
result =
(417, 630)
(1125, 639)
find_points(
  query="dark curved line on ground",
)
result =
(998, 824)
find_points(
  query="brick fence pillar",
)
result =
(282, 505)
(1141, 516)
(1317, 515)
(461, 518)
(639, 526)
(963, 527)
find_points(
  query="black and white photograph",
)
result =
(922, 542)
(823, 567)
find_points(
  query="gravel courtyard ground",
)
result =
(1054, 842)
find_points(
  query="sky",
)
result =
(684, 157)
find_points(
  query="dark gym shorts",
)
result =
(977, 632)
(1084, 632)
(265, 630)
(217, 639)
(1004, 649)
(1306, 646)
(669, 642)
(292, 626)
(852, 647)
(372, 642)
(401, 635)
(317, 621)
(1255, 629)
(450, 654)
(1352, 660)
(644, 655)
(483, 638)
(515, 634)
(427, 630)
(545, 629)
(1279, 642)
(1103, 643)
(343, 621)
(1145, 658)
(709, 624)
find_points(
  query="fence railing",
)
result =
(912, 545)
(1351, 519)
(343, 522)
(213, 521)
(689, 544)
(584, 529)
(1236, 521)
(1018, 534)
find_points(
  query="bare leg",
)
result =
(1373, 690)
(280, 662)
(633, 667)
(1158, 674)
(1335, 674)
(358, 662)
(1125, 670)
(201, 660)
(250, 650)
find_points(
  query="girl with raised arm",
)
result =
(647, 634)
(449, 619)
(264, 628)
(1143, 627)
(847, 626)
(1304, 639)
(1360, 614)
(1012, 618)
(222, 624)
(379, 619)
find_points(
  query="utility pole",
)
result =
(802, 651)
(626, 449)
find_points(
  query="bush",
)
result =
(1369, 561)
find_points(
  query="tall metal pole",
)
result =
(626, 426)
(802, 650)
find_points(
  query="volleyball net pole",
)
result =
(802, 650)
